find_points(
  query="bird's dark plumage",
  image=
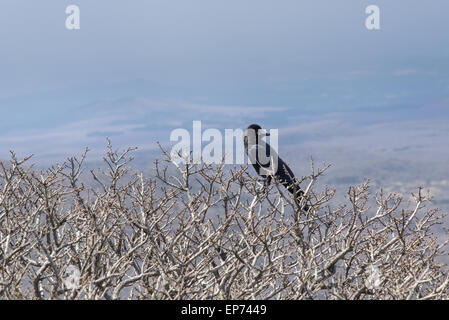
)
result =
(268, 164)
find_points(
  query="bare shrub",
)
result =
(202, 231)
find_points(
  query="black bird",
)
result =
(268, 164)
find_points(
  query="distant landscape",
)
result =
(374, 104)
(398, 146)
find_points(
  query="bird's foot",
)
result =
(262, 190)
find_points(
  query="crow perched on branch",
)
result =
(268, 164)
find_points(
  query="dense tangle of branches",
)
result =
(201, 231)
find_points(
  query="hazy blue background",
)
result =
(373, 103)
